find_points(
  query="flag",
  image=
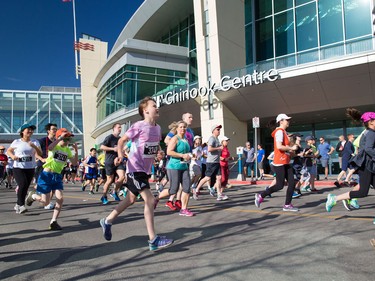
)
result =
(83, 46)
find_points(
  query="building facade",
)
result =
(230, 61)
(59, 105)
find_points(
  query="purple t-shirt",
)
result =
(145, 139)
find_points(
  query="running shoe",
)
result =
(115, 196)
(55, 226)
(29, 198)
(258, 200)
(337, 184)
(123, 192)
(159, 243)
(107, 233)
(306, 188)
(170, 205)
(296, 195)
(212, 191)
(195, 195)
(83, 187)
(373, 222)
(331, 201)
(178, 205)
(97, 187)
(354, 203)
(91, 192)
(50, 206)
(290, 208)
(17, 208)
(22, 209)
(186, 213)
(222, 197)
(346, 204)
(104, 200)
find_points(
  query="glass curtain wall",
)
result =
(290, 32)
(40, 108)
(132, 83)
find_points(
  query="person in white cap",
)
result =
(213, 164)
(224, 165)
(283, 169)
(196, 161)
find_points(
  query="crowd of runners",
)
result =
(123, 166)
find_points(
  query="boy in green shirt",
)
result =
(51, 179)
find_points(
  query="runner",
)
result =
(50, 178)
(145, 136)
(109, 145)
(283, 169)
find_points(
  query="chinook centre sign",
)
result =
(226, 83)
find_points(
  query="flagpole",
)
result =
(75, 38)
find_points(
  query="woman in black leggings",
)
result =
(23, 151)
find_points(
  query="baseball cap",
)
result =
(27, 125)
(215, 126)
(62, 131)
(309, 138)
(282, 116)
(367, 116)
(197, 137)
(224, 138)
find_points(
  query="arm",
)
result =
(331, 150)
(74, 159)
(38, 151)
(120, 151)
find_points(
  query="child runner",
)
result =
(145, 136)
(50, 178)
(91, 170)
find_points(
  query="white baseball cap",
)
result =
(224, 138)
(197, 137)
(282, 116)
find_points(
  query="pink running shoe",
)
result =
(186, 213)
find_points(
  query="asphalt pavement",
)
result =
(226, 240)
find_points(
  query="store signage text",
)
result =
(226, 83)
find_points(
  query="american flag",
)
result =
(83, 46)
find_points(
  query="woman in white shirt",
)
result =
(23, 151)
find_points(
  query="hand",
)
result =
(117, 161)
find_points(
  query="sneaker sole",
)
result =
(289, 210)
(346, 205)
(161, 247)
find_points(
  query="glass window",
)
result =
(330, 21)
(307, 36)
(184, 38)
(300, 2)
(249, 44)
(357, 18)
(193, 67)
(174, 40)
(264, 39)
(284, 33)
(281, 5)
(248, 11)
(263, 8)
(192, 38)
(184, 24)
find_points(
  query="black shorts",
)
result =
(137, 182)
(213, 169)
(110, 169)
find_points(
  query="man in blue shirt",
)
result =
(325, 151)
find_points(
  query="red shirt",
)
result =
(225, 154)
(281, 157)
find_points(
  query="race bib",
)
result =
(25, 158)
(151, 149)
(59, 157)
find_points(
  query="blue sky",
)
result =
(36, 38)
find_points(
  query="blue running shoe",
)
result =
(296, 195)
(331, 201)
(106, 230)
(104, 200)
(115, 196)
(354, 203)
(159, 243)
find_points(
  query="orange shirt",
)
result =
(280, 157)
